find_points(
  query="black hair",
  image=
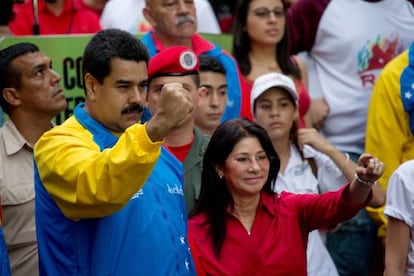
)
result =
(241, 44)
(6, 11)
(9, 75)
(210, 64)
(215, 197)
(108, 44)
(196, 79)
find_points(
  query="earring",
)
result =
(220, 176)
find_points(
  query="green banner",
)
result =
(66, 54)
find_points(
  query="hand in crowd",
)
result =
(369, 168)
(174, 106)
(368, 171)
(312, 137)
(318, 111)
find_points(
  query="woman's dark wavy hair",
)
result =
(241, 44)
(106, 45)
(215, 197)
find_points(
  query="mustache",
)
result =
(184, 18)
(133, 108)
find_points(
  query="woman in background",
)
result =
(260, 46)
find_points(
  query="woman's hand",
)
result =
(312, 137)
(369, 169)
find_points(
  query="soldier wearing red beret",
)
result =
(178, 67)
(175, 24)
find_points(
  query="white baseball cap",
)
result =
(270, 80)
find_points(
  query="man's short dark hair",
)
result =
(210, 64)
(108, 44)
(9, 76)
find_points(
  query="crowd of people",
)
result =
(290, 154)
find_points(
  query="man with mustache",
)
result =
(175, 23)
(109, 197)
(31, 96)
(123, 14)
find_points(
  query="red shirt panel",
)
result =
(72, 20)
(83, 6)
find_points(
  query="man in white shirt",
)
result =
(127, 15)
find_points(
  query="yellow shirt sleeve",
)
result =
(388, 134)
(88, 183)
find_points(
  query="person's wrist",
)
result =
(155, 130)
(329, 149)
(365, 182)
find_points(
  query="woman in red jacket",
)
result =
(239, 226)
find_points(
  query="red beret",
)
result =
(173, 61)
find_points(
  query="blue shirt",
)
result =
(148, 236)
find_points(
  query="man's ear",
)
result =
(146, 11)
(12, 96)
(90, 86)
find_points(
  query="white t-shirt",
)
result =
(400, 203)
(354, 41)
(127, 15)
(299, 178)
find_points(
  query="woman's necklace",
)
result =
(247, 223)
